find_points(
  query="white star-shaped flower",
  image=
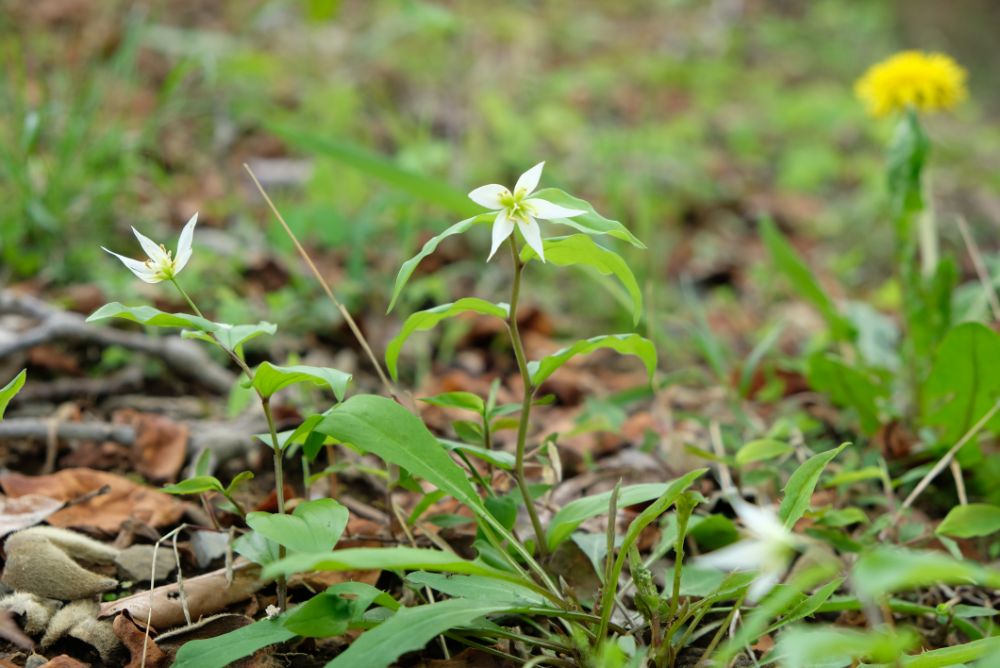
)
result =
(519, 208)
(767, 549)
(161, 265)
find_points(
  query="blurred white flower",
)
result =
(160, 266)
(767, 549)
(520, 209)
(272, 611)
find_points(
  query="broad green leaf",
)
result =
(384, 169)
(258, 549)
(152, 317)
(385, 558)
(407, 268)
(987, 649)
(314, 526)
(889, 569)
(626, 344)
(818, 646)
(802, 483)
(788, 262)
(466, 400)
(590, 222)
(580, 249)
(383, 427)
(268, 378)
(971, 521)
(570, 516)
(501, 458)
(322, 616)
(424, 320)
(232, 336)
(8, 391)
(196, 485)
(477, 587)
(410, 629)
(221, 651)
(847, 386)
(963, 384)
(761, 449)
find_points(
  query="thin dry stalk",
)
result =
(980, 267)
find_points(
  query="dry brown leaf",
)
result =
(160, 446)
(63, 661)
(134, 638)
(12, 633)
(107, 512)
(25, 511)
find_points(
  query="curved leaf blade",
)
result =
(386, 558)
(151, 317)
(802, 483)
(423, 320)
(626, 344)
(590, 222)
(8, 391)
(314, 526)
(269, 378)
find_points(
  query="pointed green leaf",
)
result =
(626, 344)
(848, 386)
(972, 520)
(802, 483)
(232, 337)
(268, 378)
(407, 268)
(424, 320)
(787, 261)
(889, 569)
(963, 384)
(314, 526)
(761, 449)
(151, 317)
(8, 391)
(466, 400)
(196, 485)
(581, 250)
(591, 222)
(410, 629)
(477, 587)
(383, 427)
(224, 650)
(386, 558)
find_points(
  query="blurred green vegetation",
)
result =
(685, 119)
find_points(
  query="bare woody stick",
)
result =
(386, 383)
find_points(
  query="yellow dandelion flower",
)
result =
(912, 79)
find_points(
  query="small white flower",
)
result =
(767, 549)
(160, 266)
(272, 611)
(520, 209)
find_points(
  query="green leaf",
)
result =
(384, 169)
(410, 629)
(963, 384)
(407, 268)
(314, 526)
(831, 646)
(760, 450)
(424, 320)
(221, 651)
(232, 337)
(957, 655)
(971, 521)
(477, 587)
(802, 483)
(504, 460)
(580, 249)
(847, 386)
(383, 427)
(238, 480)
(152, 317)
(626, 344)
(255, 547)
(8, 391)
(268, 378)
(888, 569)
(788, 262)
(590, 222)
(908, 153)
(385, 558)
(570, 516)
(196, 485)
(323, 616)
(466, 400)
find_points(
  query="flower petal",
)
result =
(150, 247)
(762, 522)
(503, 226)
(488, 196)
(184, 244)
(745, 555)
(136, 267)
(764, 583)
(529, 180)
(532, 235)
(546, 210)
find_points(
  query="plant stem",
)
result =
(529, 393)
(194, 307)
(279, 490)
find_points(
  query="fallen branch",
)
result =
(186, 358)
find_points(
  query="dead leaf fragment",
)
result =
(160, 446)
(12, 633)
(26, 511)
(63, 661)
(134, 638)
(107, 512)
